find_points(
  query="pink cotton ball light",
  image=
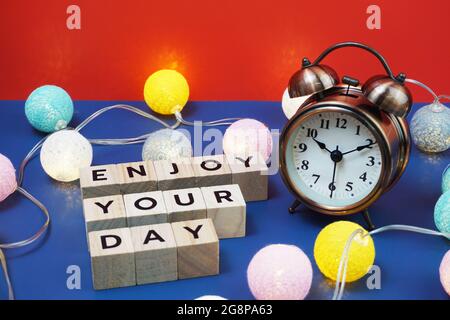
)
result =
(248, 137)
(444, 272)
(8, 182)
(280, 272)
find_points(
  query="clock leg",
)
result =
(368, 220)
(294, 206)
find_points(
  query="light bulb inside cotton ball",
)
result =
(442, 213)
(444, 272)
(446, 180)
(166, 144)
(330, 244)
(430, 128)
(8, 182)
(166, 92)
(210, 297)
(291, 105)
(248, 137)
(49, 108)
(280, 272)
(64, 153)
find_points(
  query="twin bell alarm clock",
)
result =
(347, 144)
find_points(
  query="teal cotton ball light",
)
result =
(49, 108)
(430, 128)
(442, 213)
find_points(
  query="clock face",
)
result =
(334, 159)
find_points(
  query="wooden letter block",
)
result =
(185, 204)
(100, 181)
(145, 208)
(104, 213)
(155, 252)
(251, 174)
(211, 170)
(112, 258)
(198, 248)
(226, 207)
(175, 174)
(137, 177)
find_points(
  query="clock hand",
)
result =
(331, 186)
(321, 145)
(360, 148)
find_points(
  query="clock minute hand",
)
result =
(321, 145)
(360, 148)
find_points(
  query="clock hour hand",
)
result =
(332, 185)
(360, 148)
(321, 145)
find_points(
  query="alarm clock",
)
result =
(347, 144)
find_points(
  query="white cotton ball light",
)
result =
(64, 153)
(210, 297)
(166, 144)
(291, 105)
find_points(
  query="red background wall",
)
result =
(228, 50)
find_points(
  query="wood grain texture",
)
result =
(100, 181)
(251, 174)
(175, 174)
(104, 213)
(197, 255)
(155, 253)
(226, 207)
(137, 177)
(211, 170)
(185, 204)
(145, 208)
(112, 265)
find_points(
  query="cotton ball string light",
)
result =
(442, 213)
(430, 128)
(291, 105)
(49, 108)
(248, 137)
(166, 144)
(330, 244)
(210, 297)
(64, 153)
(446, 179)
(444, 272)
(166, 92)
(8, 182)
(280, 272)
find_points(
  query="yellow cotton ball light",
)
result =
(166, 92)
(330, 244)
(64, 153)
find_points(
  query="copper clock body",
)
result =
(390, 131)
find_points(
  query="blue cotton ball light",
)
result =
(49, 108)
(430, 128)
(446, 180)
(442, 213)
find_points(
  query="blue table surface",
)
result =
(409, 262)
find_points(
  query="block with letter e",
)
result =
(198, 248)
(226, 207)
(112, 258)
(100, 181)
(250, 172)
(155, 253)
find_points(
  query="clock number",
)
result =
(324, 124)
(303, 147)
(358, 129)
(305, 165)
(317, 177)
(312, 133)
(371, 161)
(341, 123)
(363, 177)
(349, 186)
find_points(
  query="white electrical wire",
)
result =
(341, 276)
